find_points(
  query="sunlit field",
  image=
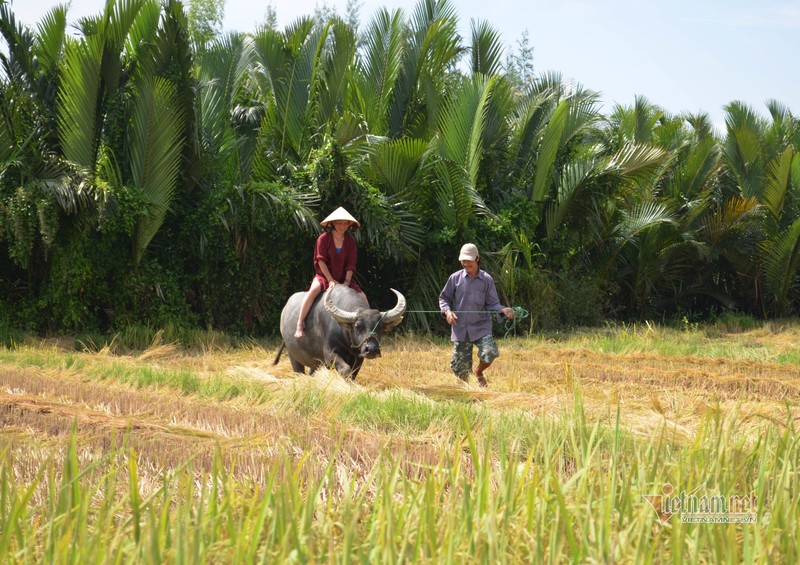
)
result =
(176, 453)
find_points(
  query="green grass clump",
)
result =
(398, 413)
(733, 322)
(703, 341)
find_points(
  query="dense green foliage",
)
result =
(152, 175)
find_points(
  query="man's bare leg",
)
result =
(482, 366)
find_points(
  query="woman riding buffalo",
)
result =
(334, 261)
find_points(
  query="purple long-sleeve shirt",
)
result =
(466, 295)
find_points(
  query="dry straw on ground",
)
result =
(533, 377)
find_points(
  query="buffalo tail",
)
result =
(278, 356)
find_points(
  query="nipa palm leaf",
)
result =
(781, 259)
(77, 101)
(379, 68)
(155, 142)
(487, 48)
(777, 185)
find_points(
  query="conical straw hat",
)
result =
(340, 214)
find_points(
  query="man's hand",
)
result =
(509, 312)
(451, 317)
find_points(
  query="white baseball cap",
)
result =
(469, 252)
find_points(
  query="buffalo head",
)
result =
(364, 326)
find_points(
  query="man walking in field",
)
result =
(467, 301)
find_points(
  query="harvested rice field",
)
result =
(579, 450)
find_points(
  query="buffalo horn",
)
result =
(397, 311)
(341, 316)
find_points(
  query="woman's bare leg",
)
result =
(308, 300)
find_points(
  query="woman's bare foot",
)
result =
(298, 332)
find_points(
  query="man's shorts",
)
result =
(461, 364)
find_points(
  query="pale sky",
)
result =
(684, 55)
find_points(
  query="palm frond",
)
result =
(487, 48)
(528, 125)
(584, 114)
(223, 72)
(498, 116)
(155, 142)
(395, 164)
(351, 133)
(696, 170)
(642, 217)
(389, 226)
(461, 125)
(637, 161)
(379, 67)
(49, 41)
(452, 207)
(143, 29)
(428, 11)
(456, 200)
(781, 259)
(740, 116)
(777, 185)
(728, 220)
(432, 49)
(286, 63)
(551, 142)
(118, 18)
(550, 82)
(273, 201)
(78, 102)
(701, 124)
(336, 60)
(68, 188)
(17, 58)
(7, 142)
(779, 111)
(696, 209)
(742, 150)
(646, 115)
(573, 178)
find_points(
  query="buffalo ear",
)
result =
(389, 326)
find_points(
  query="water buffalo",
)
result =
(339, 331)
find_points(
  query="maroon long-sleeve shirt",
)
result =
(338, 262)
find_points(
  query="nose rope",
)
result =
(520, 313)
(378, 324)
(371, 334)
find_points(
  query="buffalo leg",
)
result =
(333, 360)
(342, 367)
(356, 368)
(296, 366)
